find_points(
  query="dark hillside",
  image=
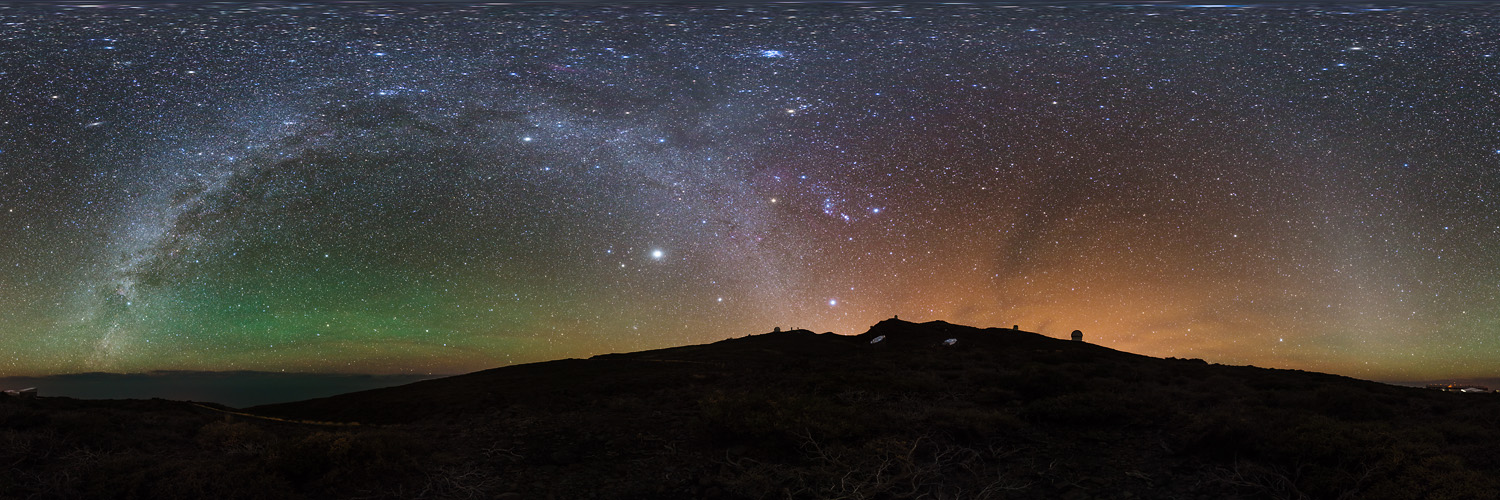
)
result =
(738, 358)
(998, 414)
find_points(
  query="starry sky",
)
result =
(402, 188)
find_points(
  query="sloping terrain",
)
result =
(998, 414)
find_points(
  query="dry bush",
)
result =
(884, 468)
(234, 438)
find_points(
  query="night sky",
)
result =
(437, 189)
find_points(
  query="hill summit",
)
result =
(903, 410)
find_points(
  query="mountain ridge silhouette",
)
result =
(996, 413)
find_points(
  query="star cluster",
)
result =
(444, 188)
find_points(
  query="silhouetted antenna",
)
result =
(877, 340)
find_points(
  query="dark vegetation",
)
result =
(1001, 414)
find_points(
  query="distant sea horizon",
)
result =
(239, 389)
(1490, 382)
(243, 389)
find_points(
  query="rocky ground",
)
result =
(999, 414)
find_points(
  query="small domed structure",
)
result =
(1078, 335)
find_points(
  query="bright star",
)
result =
(833, 302)
(658, 254)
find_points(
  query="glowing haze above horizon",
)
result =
(370, 188)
